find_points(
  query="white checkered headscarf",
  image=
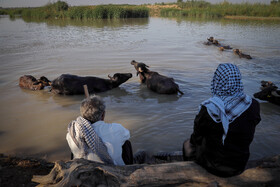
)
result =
(93, 140)
(228, 101)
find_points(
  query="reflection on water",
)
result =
(97, 23)
(35, 122)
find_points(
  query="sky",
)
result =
(36, 3)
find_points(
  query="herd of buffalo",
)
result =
(68, 84)
(212, 41)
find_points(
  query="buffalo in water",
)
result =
(31, 83)
(67, 84)
(268, 93)
(212, 41)
(241, 54)
(154, 81)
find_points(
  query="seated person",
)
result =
(224, 127)
(89, 137)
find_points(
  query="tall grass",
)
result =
(51, 10)
(108, 12)
(189, 8)
(12, 12)
(62, 10)
(246, 9)
(192, 8)
(194, 12)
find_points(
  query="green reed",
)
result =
(61, 9)
(189, 8)
(207, 10)
(108, 12)
(173, 12)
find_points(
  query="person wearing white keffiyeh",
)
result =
(89, 137)
(228, 101)
(225, 125)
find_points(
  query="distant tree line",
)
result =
(273, 2)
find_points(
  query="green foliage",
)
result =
(193, 4)
(3, 12)
(107, 12)
(173, 12)
(76, 12)
(189, 8)
(12, 12)
(193, 8)
(61, 6)
(246, 9)
(274, 2)
(52, 10)
(61, 9)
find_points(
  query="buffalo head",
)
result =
(30, 82)
(237, 51)
(44, 81)
(119, 78)
(210, 39)
(139, 66)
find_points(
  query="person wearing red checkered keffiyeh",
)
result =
(225, 125)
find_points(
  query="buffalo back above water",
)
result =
(154, 81)
(269, 94)
(68, 84)
(161, 84)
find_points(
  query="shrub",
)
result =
(61, 6)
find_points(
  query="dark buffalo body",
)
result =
(73, 85)
(161, 84)
(154, 81)
(241, 55)
(269, 93)
(212, 41)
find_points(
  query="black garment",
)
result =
(231, 158)
(127, 153)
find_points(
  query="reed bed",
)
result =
(61, 10)
(207, 10)
(189, 8)
(108, 12)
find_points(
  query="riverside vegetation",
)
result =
(189, 8)
(61, 10)
(192, 8)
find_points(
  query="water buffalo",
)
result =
(240, 54)
(154, 81)
(212, 41)
(67, 84)
(269, 93)
(30, 82)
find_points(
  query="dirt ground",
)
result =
(19, 171)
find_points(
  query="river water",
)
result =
(35, 122)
